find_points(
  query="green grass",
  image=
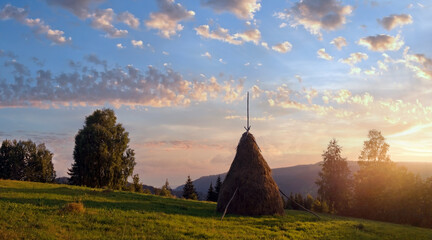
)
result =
(36, 211)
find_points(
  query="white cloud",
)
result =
(120, 46)
(322, 54)
(166, 20)
(38, 25)
(102, 19)
(243, 9)
(128, 19)
(252, 35)
(282, 47)
(355, 58)
(382, 43)
(316, 15)
(222, 34)
(339, 42)
(137, 43)
(394, 20)
(207, 55)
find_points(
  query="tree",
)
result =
(375, 149)
(137, 186)
(189, 191)
(334, 178)
(24, 160)
(211, 194)
(166, 190)
(102, 157)
(218, 187)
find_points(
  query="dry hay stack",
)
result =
(257, 192)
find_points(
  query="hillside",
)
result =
(36, 211)
(301, 178)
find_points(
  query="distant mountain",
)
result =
(301, 178)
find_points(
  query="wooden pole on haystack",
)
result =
(247, 126)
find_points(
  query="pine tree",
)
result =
(137, 186)
(189, 191)
(102, 157)
(166, 190)
(211, 194)
(334, 178)
(218, 187)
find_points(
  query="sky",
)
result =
(176, 73)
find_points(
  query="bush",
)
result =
(74, 207)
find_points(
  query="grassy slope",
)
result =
(33, 211)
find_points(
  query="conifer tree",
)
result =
(166, 190)
(211, 194)
(189, 191)
(218, 187)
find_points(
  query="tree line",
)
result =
(379, 190)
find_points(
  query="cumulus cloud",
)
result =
(322, 54)
(166, 20)
(382, 43)
(243, 9)
(38, 25)
(315, 15)
(339, 42)
(355, 58)
(101, 19)
(207, 55)
(419, 64)
(120, 46)
(137, 43)
(282, 47)
(222, 34)
(394, 20)
(118, 86)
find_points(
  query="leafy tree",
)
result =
(102, 157)
(24, 160)
(189, 191)
(218, 187)
(137, 186)
(211, 194)
(308, 202)
(375, 149)
(334, 178)
(166, 190)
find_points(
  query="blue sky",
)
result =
(177, 72)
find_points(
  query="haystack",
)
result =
(249, 174)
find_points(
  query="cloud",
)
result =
(102, 19)
(137, 43)
(322, 54)
(80, 8)
(315, 15)
(339, 42)
(355, 58)
(207, 55)
(128, 19)
(222, 34)
(38, 25)
(382, 43)
(282, 47)
(166, 21)
(118, 86)
(243, 9)
(394, 20)
(120, 46)
(419, 64)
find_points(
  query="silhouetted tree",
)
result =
(102, 157)
(189, 191)
(211, 194)
(334, 178)
(218, 187)
(24, 160)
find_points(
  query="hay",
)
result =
(74, 207)
(257, 193)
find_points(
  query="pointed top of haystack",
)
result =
(257, 192)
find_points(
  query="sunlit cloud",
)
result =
(166, 21)
(382, 43)
(339, 42)
(394, 21)
(243, 9)
(38, 25)
(207, 55)
(354, 58)
(137, 43)
(222, 34)
(322, 54)
(283, 47)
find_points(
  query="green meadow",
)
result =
(31, 210)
